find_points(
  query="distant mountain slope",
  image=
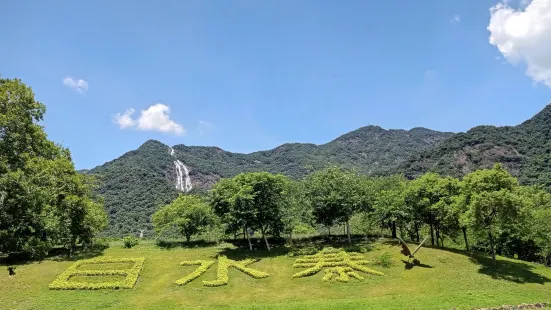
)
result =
(135, 185)
(139, 182)
(524, 149)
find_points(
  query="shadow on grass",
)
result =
(304, 246)
(57, 254)
(410, 265)
(504, 269)
(171, 244)
(518, 272)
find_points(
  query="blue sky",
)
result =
(250, 75)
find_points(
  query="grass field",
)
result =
(446, 279)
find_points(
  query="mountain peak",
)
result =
(541, 120)
(152, 144)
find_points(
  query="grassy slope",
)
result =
(454, 280)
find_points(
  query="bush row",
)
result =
(335, 261)
(222, 277)
(131, 275)
(204, 266)
(224, 264)
(343, 274)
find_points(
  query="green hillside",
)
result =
(525, 150)
(137, 183)
(446, 279)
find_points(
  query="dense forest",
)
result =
(487, 210)
(525, 150)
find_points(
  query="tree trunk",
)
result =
(291, 238)
(248, 239)
(72, 246)
(417, 231)
(437, 236)
(431, 229)
(394, 229)
(492, 246)
(264, 237)
(329, 231)
(464, 229)
(245, 232)
(188, 238)
(348, 232)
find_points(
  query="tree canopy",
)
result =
(188, 213)
(43, 200)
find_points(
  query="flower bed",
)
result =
(131, 275)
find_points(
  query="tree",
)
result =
(334, 194)
(389, 206)
(251, 200)
(73, 212)
(422, 196)
(295, 209)
(490, 202)
(190, 214)
(538, 205)
(43, 200)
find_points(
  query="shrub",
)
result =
(385, 260)
(222, 277)
(204, 266)
(130, 241)
(337, 262)
(131, 275)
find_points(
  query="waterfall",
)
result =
(183, 181)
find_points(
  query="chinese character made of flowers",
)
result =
(339, 265)
(222, 273)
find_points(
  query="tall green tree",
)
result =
(335, 195)
(491, 202)
(389, 206)
(252, 200)
(295, 211)
(537, 204)
(43, 200)
(189, 214)
(433, 201)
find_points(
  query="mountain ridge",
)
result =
(140, 181)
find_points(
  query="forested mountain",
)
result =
(136, 184)
(525, 150)
(140, 181)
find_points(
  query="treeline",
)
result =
(44, 202)
(486, 210)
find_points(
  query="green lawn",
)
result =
(446, 280)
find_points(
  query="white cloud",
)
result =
(523, 36)
(154, 118)
(204, 127)
(456, 19)
(79, 85)
(525, 3)
(125, 120)
(157, 118)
